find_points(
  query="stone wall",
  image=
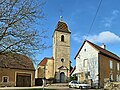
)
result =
(112, 86)
(105, 70)
(61, 54)
(11, 73)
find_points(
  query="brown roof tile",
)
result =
(61, 26)
(105, 52)
(72, 70)
(15, 61)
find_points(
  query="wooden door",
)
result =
(23, 80)
(62, 77)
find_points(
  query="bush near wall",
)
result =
(38, 82)
(74, 77)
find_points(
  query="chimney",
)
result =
(103, 46)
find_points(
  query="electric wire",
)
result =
(94, 19)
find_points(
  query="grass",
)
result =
(36, 89)
(39, 89)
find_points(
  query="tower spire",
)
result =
(61, 18)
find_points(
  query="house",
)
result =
(57, 67)
(97, 64)
(45, 69)
(72, 72)
(16, 70)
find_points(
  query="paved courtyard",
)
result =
(41, 88)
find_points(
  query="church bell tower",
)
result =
(61, 52)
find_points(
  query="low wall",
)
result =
(112, 86)
(7, 84)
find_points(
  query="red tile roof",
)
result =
(44, 61)
(101, 50)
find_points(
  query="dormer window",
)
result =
(62, 38)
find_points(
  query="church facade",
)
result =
(60, 61)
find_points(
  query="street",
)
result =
(41, 88)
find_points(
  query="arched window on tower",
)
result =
(62, 60)
(62, 38)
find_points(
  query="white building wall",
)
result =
(91, 54)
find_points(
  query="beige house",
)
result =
(16, 70)
(95, 63)
(45, 68)
(57, 67)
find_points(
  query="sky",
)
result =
(79, 14)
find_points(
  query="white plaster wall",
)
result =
(92, 55)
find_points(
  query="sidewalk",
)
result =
(20, 88)
(35, 87)
(40, 87)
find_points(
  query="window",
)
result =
(111, 77)
(111, 64)
(85, 50)
(86, 76)
(5, 78)
(85, 63)
(117, 77)
(62, 38)
(118, 66)
(62, 60)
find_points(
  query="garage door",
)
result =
(23, 80)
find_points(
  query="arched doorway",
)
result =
(62, 77)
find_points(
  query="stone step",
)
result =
(58, 84)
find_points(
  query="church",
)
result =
(57, 67)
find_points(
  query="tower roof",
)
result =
(62, 26)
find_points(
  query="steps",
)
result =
(58, 85)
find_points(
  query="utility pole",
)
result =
(44, 77)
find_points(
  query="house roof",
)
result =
(44, 61)
(101, 50)
(15, 61)
(62, 26)
(72, 70)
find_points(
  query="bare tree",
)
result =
(17, 34)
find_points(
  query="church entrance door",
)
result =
(62, 77)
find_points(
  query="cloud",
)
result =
(115, 12)
(109, 20)
(76, 37)
(104, 37)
